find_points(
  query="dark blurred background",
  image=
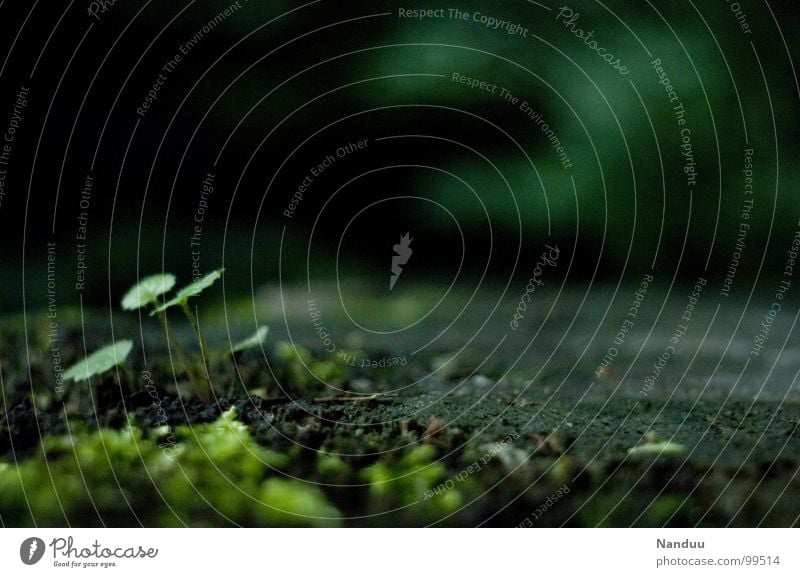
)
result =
(273, 88)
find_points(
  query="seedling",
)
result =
(99, 361)
(147, 293)
(182, 300)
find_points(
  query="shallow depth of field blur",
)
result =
(559, 241)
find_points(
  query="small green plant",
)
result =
(182, 300)
(99, 361)
(147, 294)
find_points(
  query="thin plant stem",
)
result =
(182, 356)
(203, 347)
(128, 375)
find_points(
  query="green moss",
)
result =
(332, 468)
(292, 503)
(205, 475)
(664, 509)
(301, 373)
(408, 483)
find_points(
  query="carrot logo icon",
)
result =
(402, 254)
(31, 550)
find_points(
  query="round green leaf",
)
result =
(657, 448)
(147, 291)
(199, 285)
(251, 342)
(191, 290)
(99, 361)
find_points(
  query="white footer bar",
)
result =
(390, 552)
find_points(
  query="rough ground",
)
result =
(520, 426)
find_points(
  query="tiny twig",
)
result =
(351, 399)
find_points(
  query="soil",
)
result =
(552, 444)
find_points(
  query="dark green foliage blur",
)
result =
(285, 83)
